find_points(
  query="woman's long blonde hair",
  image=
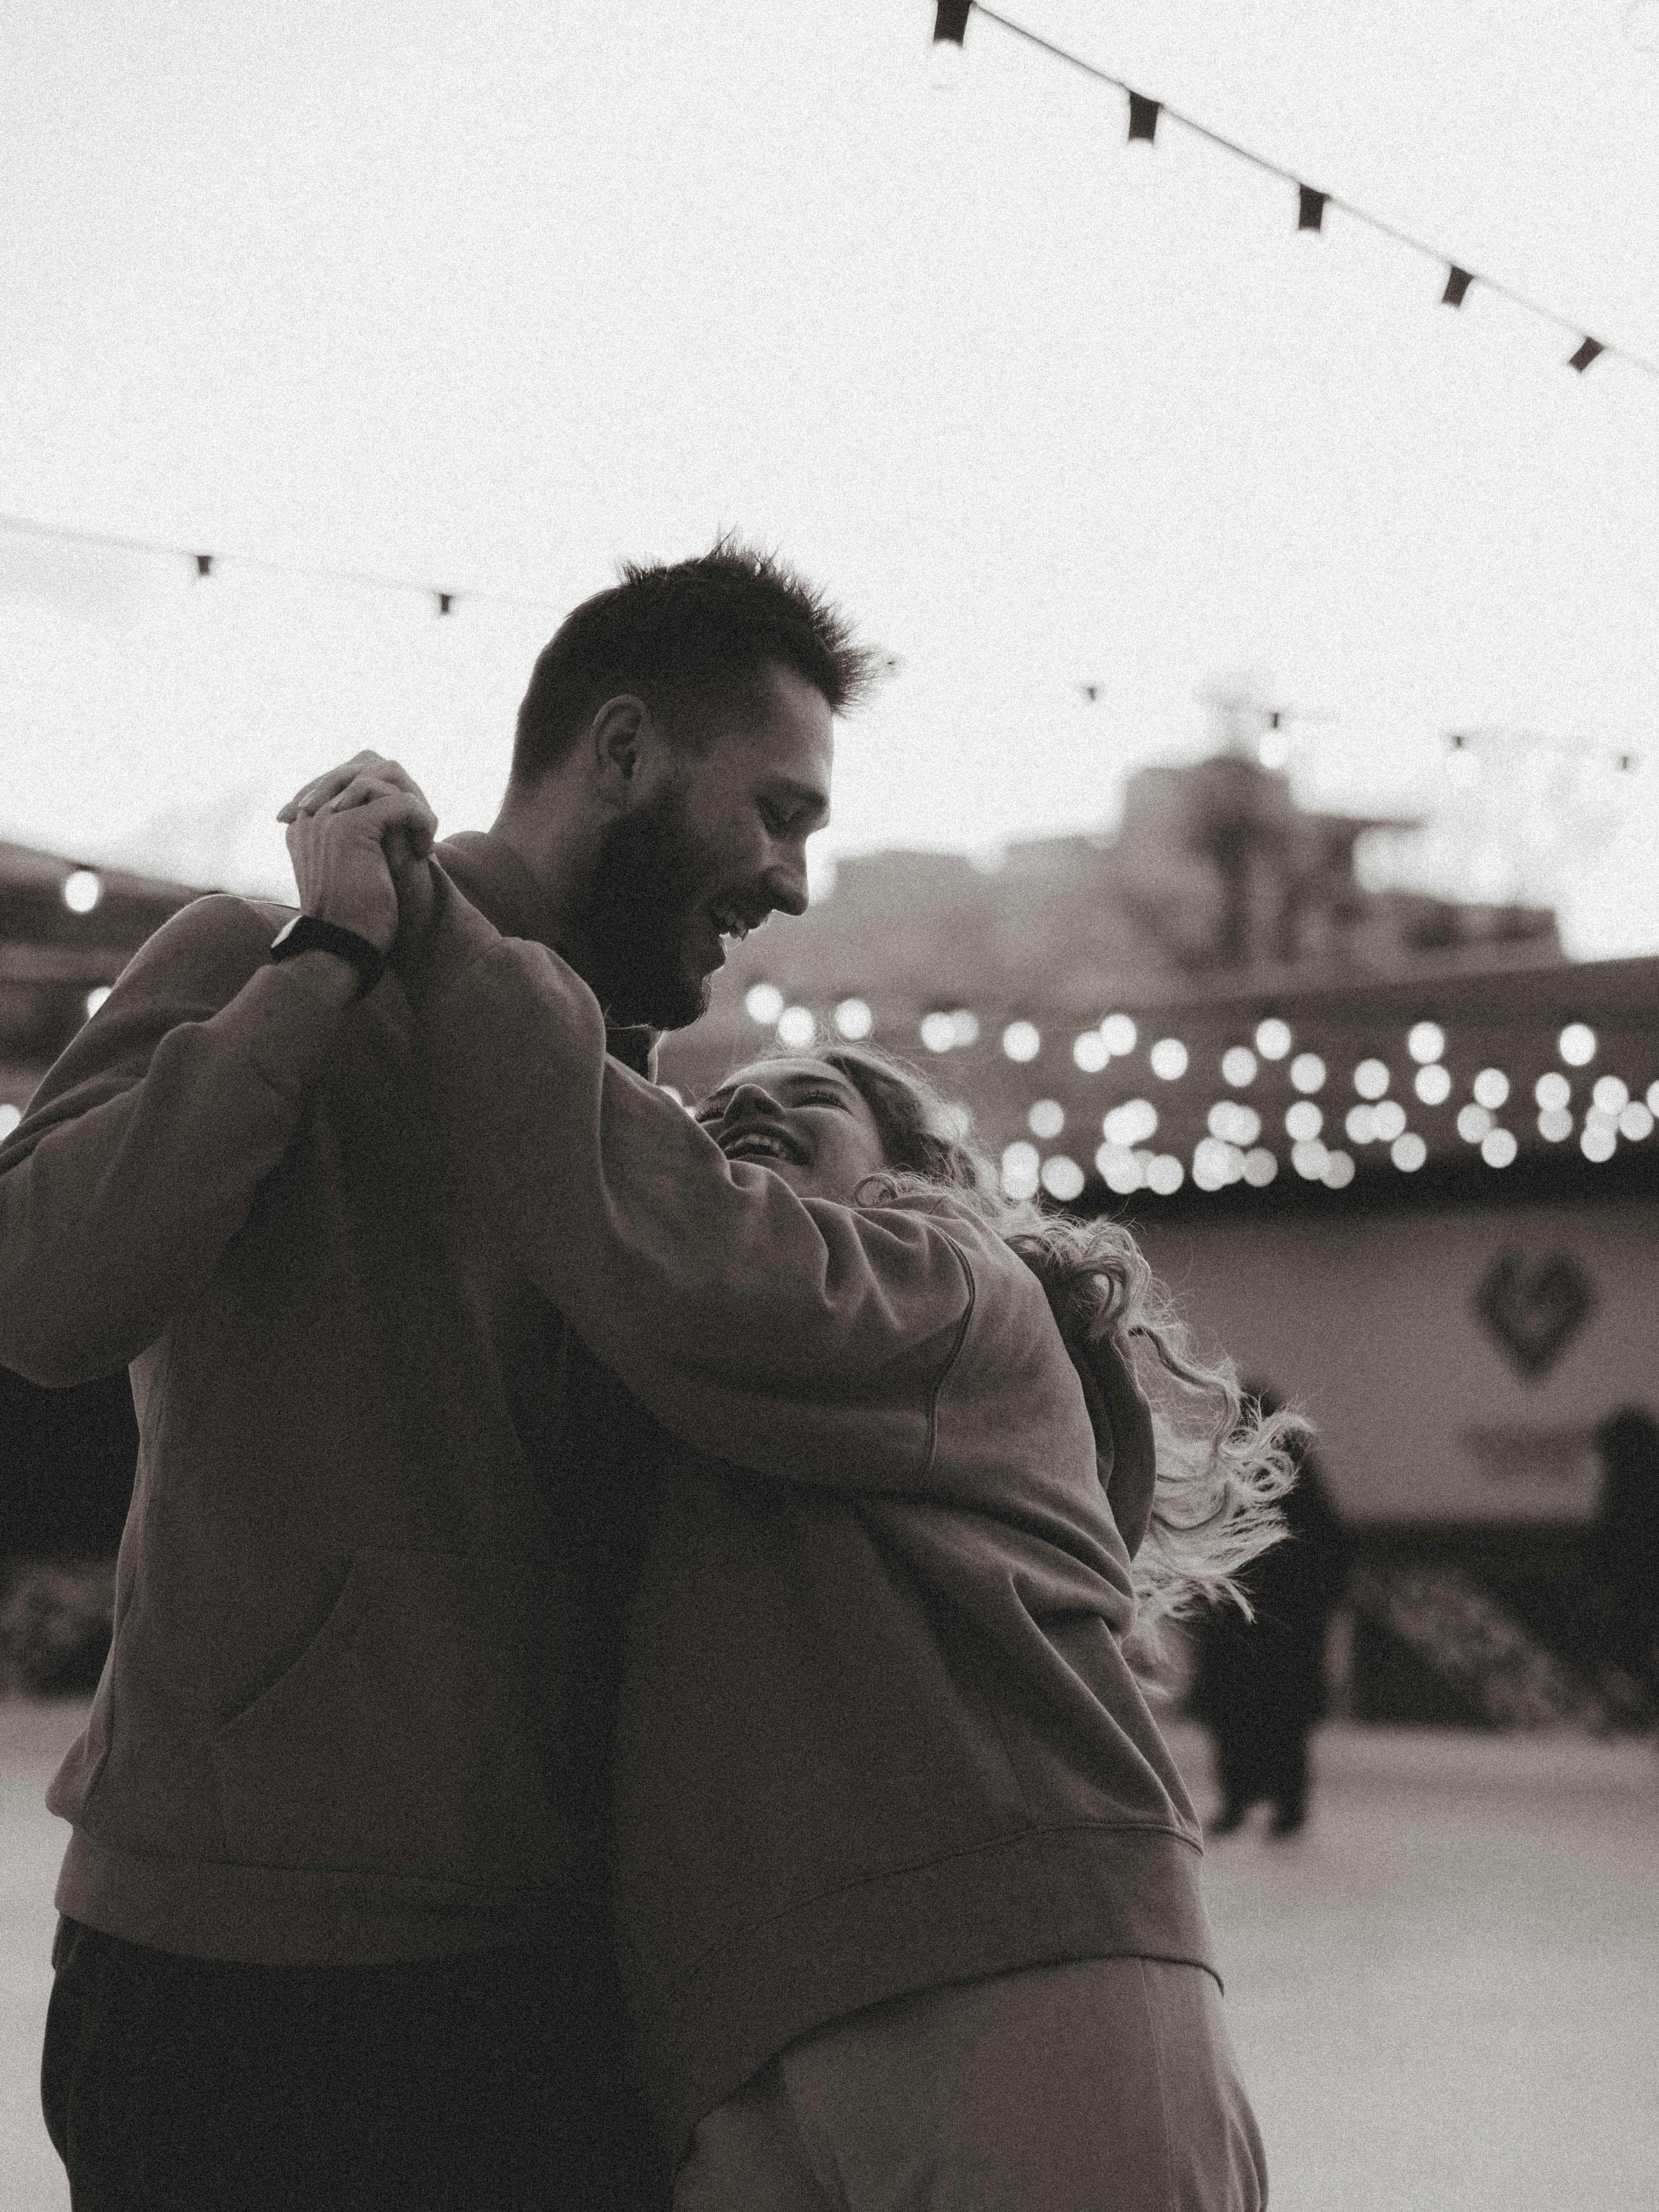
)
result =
(1222, 1458)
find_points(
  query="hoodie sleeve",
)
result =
(143, 1147)
(793, 1336)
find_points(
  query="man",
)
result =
(329, 1935)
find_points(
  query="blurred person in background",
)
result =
(1624, 1563)
(906, 1877)
(334, 1933)
(1260, 1685)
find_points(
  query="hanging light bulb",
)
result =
(948, 60)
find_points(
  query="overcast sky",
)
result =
(494, 294)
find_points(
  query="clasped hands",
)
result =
(361, 839)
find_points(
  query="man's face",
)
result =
(720, 845)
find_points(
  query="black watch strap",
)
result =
(308, 934)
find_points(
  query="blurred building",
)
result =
(1394, 1152)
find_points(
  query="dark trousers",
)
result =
(1270, 1762)
(483, 2083)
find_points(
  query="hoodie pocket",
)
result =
(403, 1739)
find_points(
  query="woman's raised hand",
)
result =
(360, 838)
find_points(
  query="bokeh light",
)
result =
(1433, 1084)
(1599, 1141)
(1168, 1060)
(939, 1031)
(1303, 1121)
(1552, 1092)
(95, 998)
(1576, 1044)
(81, 890)
(1339, 1170)
(1611, 1095)
(1499, 1147)
(1309, 1159)
(796, 1028)
(1120, 1170)
(1239, 1066)
(1408, 1151)
(1090, 1052)
(1118, 1034)
(763, 1003)
(1387, 1119)
(1426, 1042)
(1307, 1071)
(1635, 1122)
(1132, 1123)
(1234, 1124)
(1020, 1166)
(1062, 1178)
(1022, 1041)
(1165, 1175)
(1358, 1125)
(1371, 1078)
(1047, 1118)
(854, 1019)
(1554, 1124)
(1272, 1038)
(1491, 1088)
(1260, 1167)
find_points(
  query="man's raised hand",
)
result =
(360, 838)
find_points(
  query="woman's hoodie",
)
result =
(876, 1731)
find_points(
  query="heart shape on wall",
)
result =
(1535, 1313)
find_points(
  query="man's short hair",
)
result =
(686, 636)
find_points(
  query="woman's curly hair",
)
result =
(1222, 1460)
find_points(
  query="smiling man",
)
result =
(333, 1929)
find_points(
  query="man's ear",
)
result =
(618, 738)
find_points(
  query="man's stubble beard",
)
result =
(644, 893)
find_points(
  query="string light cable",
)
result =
(949, 29)
(444, 600)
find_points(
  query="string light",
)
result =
(1635, 1122)
(1133, 1122)
(1554, 1124)
(1433, 1084)
(1239, 1066)
(1491, 1088)
(1021, 1041)
(1426, 1042)
(1387, 1119)
(1472, 1123)
(796, 1028)
(1576, 1044)
(1168, 1060)
(1047, 1118)
(1499, 1147)
(1119, 1035)
(1307, 1071)
(1409, 1153)
(1337, 1171)
(1062, 1178)
(1304, 1121)
(1144, 113)
(1611, 1095)
(1260, 1167)
(1165, 1175)
(1598, 1143)
(1272, 1038)
(763, 1003)
(1552, 1091)
(1090, 1052)
(854, 1019)
(1371, 1078)
(82, 888)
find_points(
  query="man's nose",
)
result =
(786, 885)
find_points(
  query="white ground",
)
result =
(1444, 1994)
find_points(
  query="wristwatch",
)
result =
(308, 934)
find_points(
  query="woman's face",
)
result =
(800, 1118)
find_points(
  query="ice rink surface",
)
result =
(1444, 1993)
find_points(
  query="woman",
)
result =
(906, 1879)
